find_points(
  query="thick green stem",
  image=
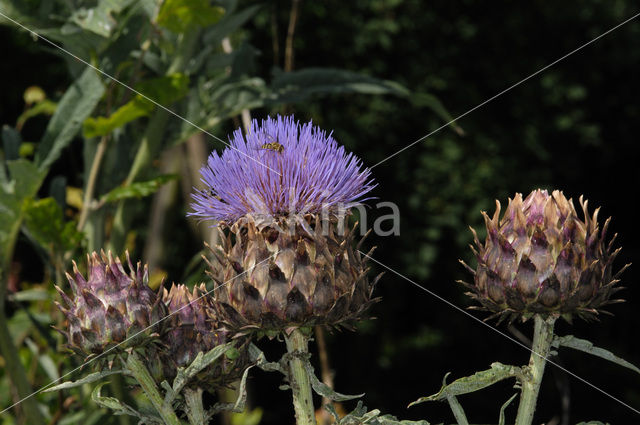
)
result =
(142, 375)
(298, 347)
(195, 408)
(542, 338)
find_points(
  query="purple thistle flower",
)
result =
(298, 168)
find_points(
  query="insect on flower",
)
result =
(273, 144)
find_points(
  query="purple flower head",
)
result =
(280, 167)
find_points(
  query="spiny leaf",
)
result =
(92, 377)
(571, 341)
(475, 382)
(180, 16)
(138, 189)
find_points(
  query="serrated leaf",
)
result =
(138, 189)
(323, 389)
(475, 382)
(180, 16)
(163, 90)
(76, 104)
(44, 221)
(571, 341)
(92, 377)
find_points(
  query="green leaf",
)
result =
(99, 126)
(46, 107)
(201, 361)
(571, 341)
(360, 416)
(23, 182)
(116, 405)
(433, 103)
(92, 377)
(44, 221)
(475, 382)
(29, 295)
(502, 419)
(323, 389)
(163, 90)
(298, 86)
(11, 140)
(240, 402)
(138, 189)
(180, 16)
(76, 104)
(98, 19)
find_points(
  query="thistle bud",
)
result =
(110, 306)
(193, 329)
(541, 258)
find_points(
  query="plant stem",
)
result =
(297, 346)
(91, 182)
(542, 338)
(142, 375)
(14, 368)
(195, 409)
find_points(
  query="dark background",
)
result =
(574, 127)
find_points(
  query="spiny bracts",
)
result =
(110, 306)
(289, 274)
(541, 258)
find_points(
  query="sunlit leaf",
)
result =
(138, 189)
(45, 222)
(163, 90)
(180, 16)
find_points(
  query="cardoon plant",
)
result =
(281, 196)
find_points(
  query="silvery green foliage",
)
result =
(360, 416)
(571, 341)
